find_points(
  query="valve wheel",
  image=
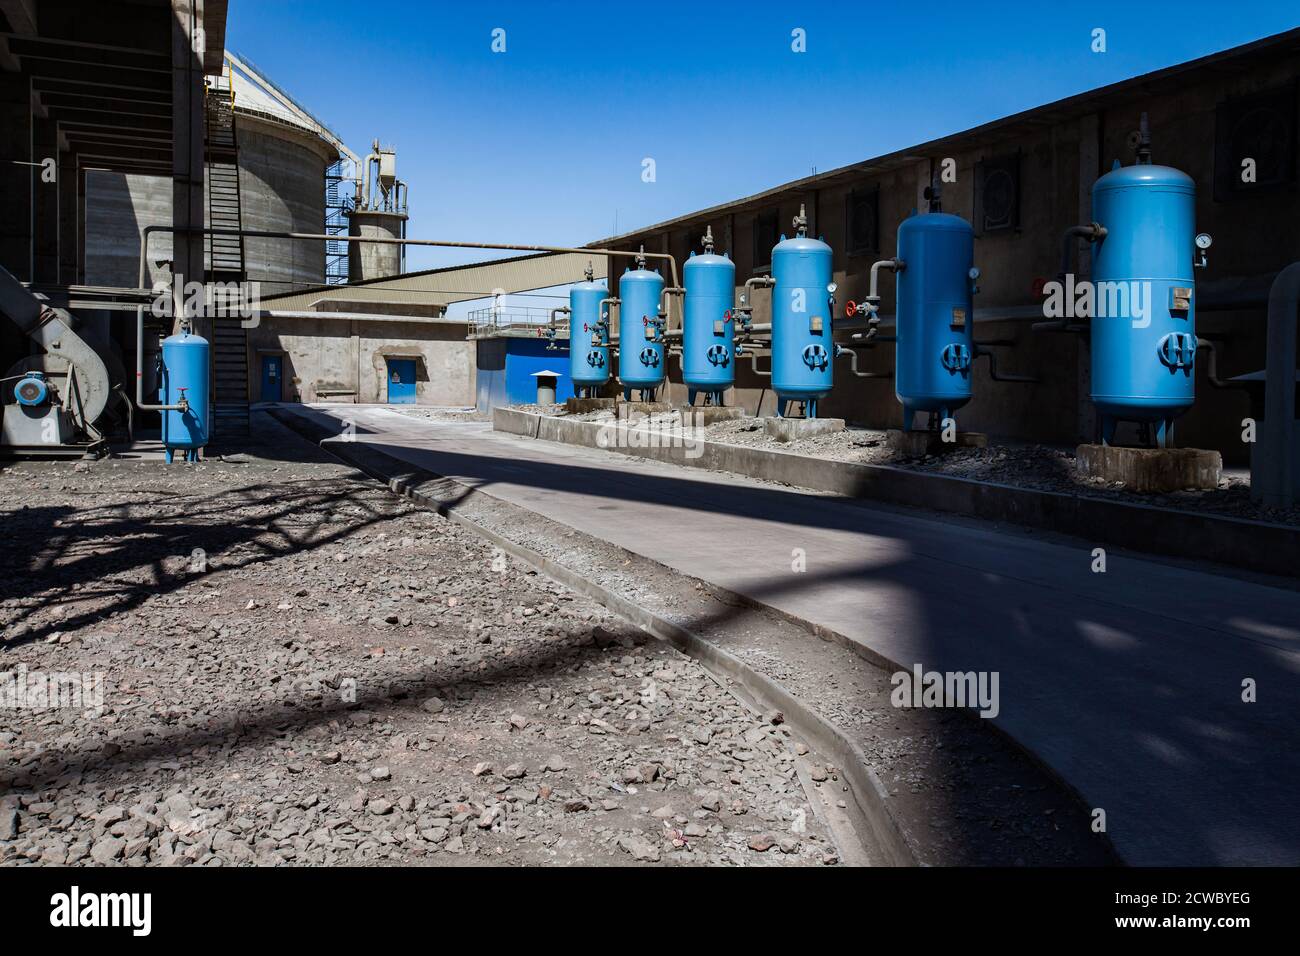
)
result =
(851, 309)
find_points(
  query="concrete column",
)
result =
(15, 175)
(45, 183)
(187, 146)
(69, 219)
(354, 334)
(1089, 168)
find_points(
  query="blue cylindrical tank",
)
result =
(935, 348)
(708, 328)
(1143, 326)
(185, 373)
(588, 337)
(802, 352)
(640, 358)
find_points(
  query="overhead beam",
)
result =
(131, 25)
(108, 77)
(97, 57)
(81, 88)
(21, 15)
(105, 104)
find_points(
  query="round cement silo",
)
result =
(282, 187)
(375, 260)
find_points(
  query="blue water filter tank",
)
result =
(708, 327)
(802, 352)
(936, 346)
(1143, 326)
(185, 373)
(640, 357)
(588, 338)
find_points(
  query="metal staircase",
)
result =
(225, 261)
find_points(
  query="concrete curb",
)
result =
(1241, 543)
(877, 827)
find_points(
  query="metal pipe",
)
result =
(853, 364)
(871, 303)
(984, 350)
(607, 317)
(1093, 232)
(384, 240)
(1212, 368)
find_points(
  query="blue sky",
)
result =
(544, 143)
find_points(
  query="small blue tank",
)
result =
(185, 374)
(640, 346)
(1143, 326)
(936, 346)
(588, 337)
(802, 352)
(708, 327)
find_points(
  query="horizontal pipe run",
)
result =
(841, 350)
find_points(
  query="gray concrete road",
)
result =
(1128, 683)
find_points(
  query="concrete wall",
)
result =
(344, 360)
(1254, 236)
(282, 186)
(118, 207)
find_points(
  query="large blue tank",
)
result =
(802, 352)
(640, 348)
(588, 338)
(936, 346)
(1143, 326)
(185, 374)
(708, 327)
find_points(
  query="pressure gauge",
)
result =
(1204, 240)
(831, 288)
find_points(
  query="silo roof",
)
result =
(256, 95)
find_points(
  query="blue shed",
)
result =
(505, 367)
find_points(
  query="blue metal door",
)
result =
(272, 378)
(401, 381)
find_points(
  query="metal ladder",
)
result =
(225, 260)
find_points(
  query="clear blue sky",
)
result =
(544, 143)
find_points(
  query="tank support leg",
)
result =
(810, 408)
(690, 397)
(1164, 432)
(627, 394)
(167, 453)
(1107, 430)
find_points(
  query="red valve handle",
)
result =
(851, 309)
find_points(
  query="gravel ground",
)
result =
(961, 792)
(432, 413)
(299, 668)
(1028, 466)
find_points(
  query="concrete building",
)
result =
(391, 340)
(1021, 181)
